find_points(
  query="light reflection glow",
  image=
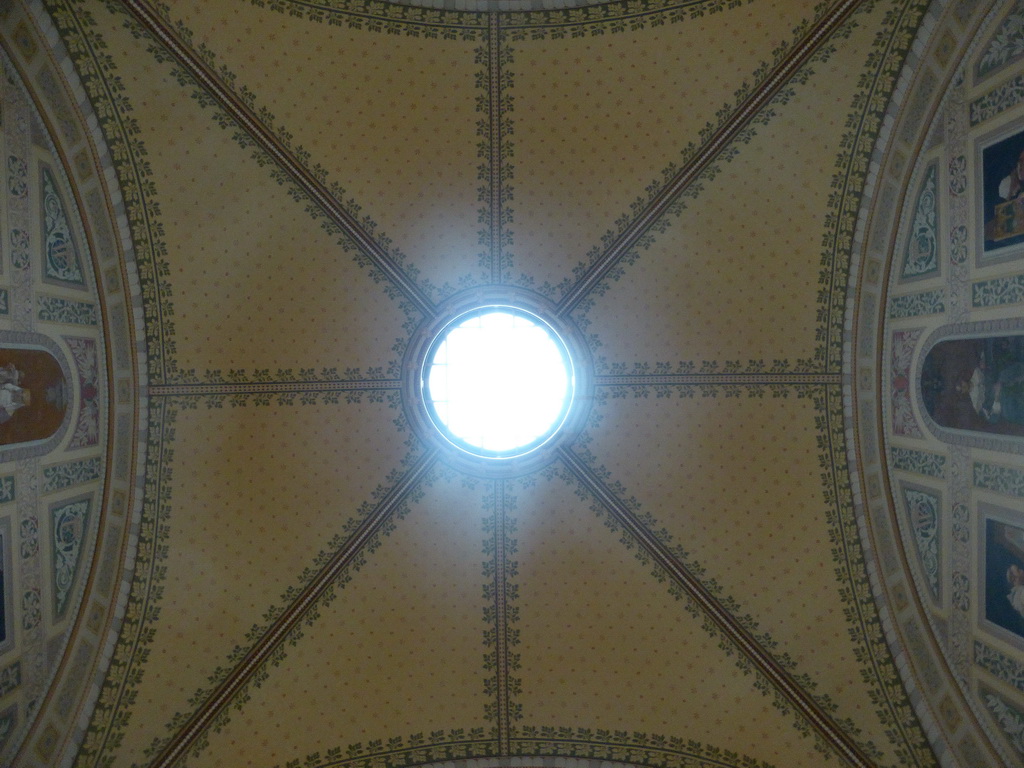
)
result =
(499, 381)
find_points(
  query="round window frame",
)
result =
(464, 456)
(477, 450)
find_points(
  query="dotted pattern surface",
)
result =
(607, 646)
(736, 276)
(398, 652)
(254, 506)
(764, 541)
(598, 119)
(255, 282)
(395, 124)
(46, 260)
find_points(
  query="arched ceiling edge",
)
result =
(959, 730)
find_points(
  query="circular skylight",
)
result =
(497, 382)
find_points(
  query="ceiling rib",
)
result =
(495, 140)
(714, 610)
(273, 387)
(501, 621)
(261, 651)
(704, 379)
(319, 193)
(264, 137)
(762, 95)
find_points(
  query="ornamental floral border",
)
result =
(583, 19)
(112, 714)
(282, 137)
(103, 89)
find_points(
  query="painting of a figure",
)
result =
(976, 384)
(1004, 576)
(1002, 165)
(33, 396)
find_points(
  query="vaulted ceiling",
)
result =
(752, 546)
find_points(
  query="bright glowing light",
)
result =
(499, 382)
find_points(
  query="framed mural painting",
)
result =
(1001, 201)
(976, 384)
(33, 395)
(1002, 573)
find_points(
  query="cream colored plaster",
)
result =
(399, 651)
(254, 281)
(736, 276)
(765, 541)
(391, 118)
(604, 645)
(250, 507)
(258, 490)
(599, 118)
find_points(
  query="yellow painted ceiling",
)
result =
(298, 573)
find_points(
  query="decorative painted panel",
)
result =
(48, 290)
(957, 175)
(922, 509)
(31, 608)
(997, 292)
(1007, 669)
(70, 523)
(29, 537)
(958, 242)
(87, 430)
(70, 473)
(68, 128)
(998, 100)
(921, 255)
(8, 722)
(20, 245)
(56, 309)
(17, 177)
(10, 678)
(903, 420)
(1006, 480)
(1006, 45)
(61, 260)
(961, 556)
(1010, 719)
